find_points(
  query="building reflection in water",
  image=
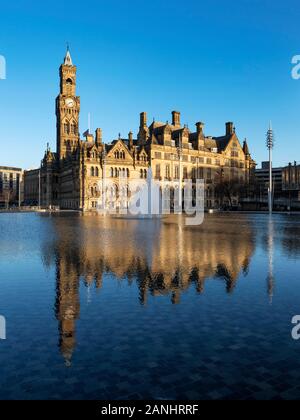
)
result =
(162, 257)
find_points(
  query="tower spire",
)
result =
(68, 59)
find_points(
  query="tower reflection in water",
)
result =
(164, 258)
(271, 278)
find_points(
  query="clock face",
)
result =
(70, 102)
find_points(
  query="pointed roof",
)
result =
(68, 59)
(246, 148)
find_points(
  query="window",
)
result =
(97, 172)
(185, 173)
(128, 173)
(143, 158)
(111, 172)
(69, 82)
(73, 128)
(168, 172)
(157, 172)
(66, 128)
(92, 171)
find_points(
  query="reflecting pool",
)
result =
(109, 308)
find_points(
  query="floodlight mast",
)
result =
(270, 146)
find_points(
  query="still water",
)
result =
(101, 308)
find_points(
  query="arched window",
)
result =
(69, 82)
(145, 174)
(168, 171)
(116, 173)
(185, 173)
(66, 128)
(124, 173)
(73, 128)
(112, 172)
(142, 173)
(97, 172)
(92, 171)
(128, 173)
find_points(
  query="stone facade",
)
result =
(70, 178)
(291, 181)
(11, 186)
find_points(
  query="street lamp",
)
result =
(270, 146)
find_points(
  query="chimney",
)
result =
(130, 142)
(229, 128)
(88, 137)
(176, 118)
(200, 128)
(98, 136)
(143, 119)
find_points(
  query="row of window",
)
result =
(187, 158)
(94, 172)
(119, 172)
(70, 143)
(70, 128)
(143, 173)
(195, 173)
(120, 155)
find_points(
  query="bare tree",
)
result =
(230, 189)
(7, 197)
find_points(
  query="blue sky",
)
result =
(213, 60)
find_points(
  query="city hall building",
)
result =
(71, 177)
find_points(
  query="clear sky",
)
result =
(214, 60)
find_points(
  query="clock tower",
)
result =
(67, 109)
